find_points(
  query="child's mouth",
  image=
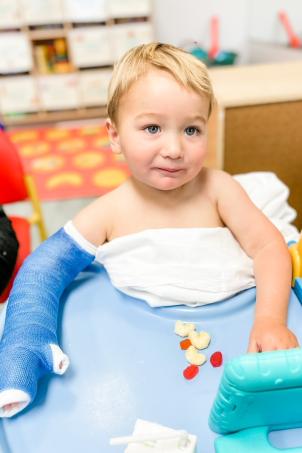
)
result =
(169, 170)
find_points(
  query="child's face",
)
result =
(161, 130)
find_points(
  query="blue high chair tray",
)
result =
(126, 363)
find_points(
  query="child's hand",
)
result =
(269, 334)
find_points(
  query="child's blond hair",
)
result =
(184, 67)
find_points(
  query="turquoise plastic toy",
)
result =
(258, 393)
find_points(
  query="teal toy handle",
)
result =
(250, 441)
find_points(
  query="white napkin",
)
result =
(145, 428)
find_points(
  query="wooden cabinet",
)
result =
(62, 52)
(257, 126)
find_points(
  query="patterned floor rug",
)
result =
(70, 162)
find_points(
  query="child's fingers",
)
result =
(11, 406)
(253, 346)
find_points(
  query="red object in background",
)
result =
(11, 172)
(214, 45)
(216, 359)
(12, 188)
(294, 40)
(191, 371)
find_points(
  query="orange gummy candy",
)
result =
(185, 344)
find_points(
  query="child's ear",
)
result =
(113, 136)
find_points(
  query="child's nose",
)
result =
(172, 148)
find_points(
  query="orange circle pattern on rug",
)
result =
(110, 177)
(71, 145)
(63, 179)
(47, 164)
(24, 135)
(36, 149)
(56, 134)
(102, 141)
(88, 160)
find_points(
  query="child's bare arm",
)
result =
(93, 222)
(272, 265)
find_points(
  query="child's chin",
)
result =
(164, 184)
(167, 186)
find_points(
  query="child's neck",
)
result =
(167, 197)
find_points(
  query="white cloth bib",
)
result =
(174, 266)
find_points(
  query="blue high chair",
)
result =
(126, 364)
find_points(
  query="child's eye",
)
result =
(192, 130)
(153, 129)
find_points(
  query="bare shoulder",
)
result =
(217, 177)
(95, 220)
(218, 181)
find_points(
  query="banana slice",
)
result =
(200, 340)
(194, 357)
(183, 328)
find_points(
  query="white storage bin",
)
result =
(128, 8)
(93, 87)
(84, 10)
(90, 46)
(59, 92)
(37, 12)
(9, 14)
(18, 95)
(15, 53)
(125, 36)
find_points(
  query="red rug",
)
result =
(70, 162)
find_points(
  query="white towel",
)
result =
(194, 266)
(174, 266)
(270, 195)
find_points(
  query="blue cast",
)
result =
(29, 347)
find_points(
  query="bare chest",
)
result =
(138, 217)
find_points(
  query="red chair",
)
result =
(15, 186)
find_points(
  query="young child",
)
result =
(160, 99)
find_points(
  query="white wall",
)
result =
(182, 21)
(266, 26)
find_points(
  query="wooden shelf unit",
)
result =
(82, 86)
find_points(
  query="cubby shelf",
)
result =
(61, 69)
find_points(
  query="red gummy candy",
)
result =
(216, 359)
(191, 371)
(185, 344)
